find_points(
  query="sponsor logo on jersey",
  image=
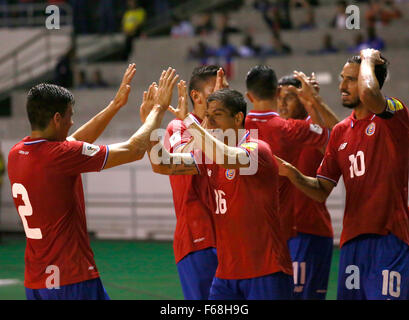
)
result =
(89, 149)
(342, 146)
(209, 172)
(316, 128)
(230, 174)
(24, 152)
(393, 104)
(370, 129)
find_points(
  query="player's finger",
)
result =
(173, 82)
(161, 79)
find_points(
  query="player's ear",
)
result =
(195, 95)
(56, 120)
(239, 119)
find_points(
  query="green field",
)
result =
(130, 270)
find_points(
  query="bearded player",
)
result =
(370, 149)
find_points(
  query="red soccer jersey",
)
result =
(194, 226)
(286, 139)
(245, 210)
(47, 191)
(311, 217)
(372, 155)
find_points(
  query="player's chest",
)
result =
(358, 146)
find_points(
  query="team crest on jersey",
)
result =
(370, 129)
(230, 174)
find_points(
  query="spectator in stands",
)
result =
(278, 47)
(223, 25)
(201, 52)
(204, 25)
(82, 82)
(275, 15)
(181, 28)
(340, 17)
(327, 46)
(226, 52)
(248, 49)
(381, 13)
(80, 12)
(132, 24)
(106, 16)
(374, 41)
(162, 9)
(97, 80)
(63, 73)
(309, 23)
(359, 42)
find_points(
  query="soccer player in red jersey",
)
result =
(311, 249)
(370, 149)
(194, 238)
(253, 257)
(45, 175)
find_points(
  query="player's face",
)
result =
(65, 124)
(289, 106)
(349, 85)
(219, 117)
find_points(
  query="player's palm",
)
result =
(181, 111)
(121, 97)
(148, 101)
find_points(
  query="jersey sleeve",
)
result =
(176, 136)
(329, 168)
(393, 105)
(305, 133)
(75, 157)
(259, 153)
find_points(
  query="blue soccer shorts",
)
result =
(196, 273)
(374, 267)
(85, 290)
(311, 256)
(276, 286)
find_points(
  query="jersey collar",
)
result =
(355, 120)
(28, 140)
(259, 113)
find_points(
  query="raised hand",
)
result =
(148, 101)
(313, 80)
(167, 82)
(121, 97)
(372, 54)
(221, 81)
(182, 110)
(307, 90)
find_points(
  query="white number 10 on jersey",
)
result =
(357, 167)
(25, 211)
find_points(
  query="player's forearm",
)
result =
(228, 157)
(368, 87)
(91, 130)
(308, 185)
(328, 118)
(166, 163)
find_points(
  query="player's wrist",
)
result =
(189, 120)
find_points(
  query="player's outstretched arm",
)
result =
(319, 111)
(368, 86)
(136, 146)
(316, 188)
(90, 131)
(161, 160)
(222, 154)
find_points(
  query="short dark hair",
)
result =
(381, 70)
(231, 99)
(201, 74)
(289, 80)
(44, 101)
(262, 82)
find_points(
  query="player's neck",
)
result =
(199, 112)
(361, 113)
(45, 134)
(265, 105)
